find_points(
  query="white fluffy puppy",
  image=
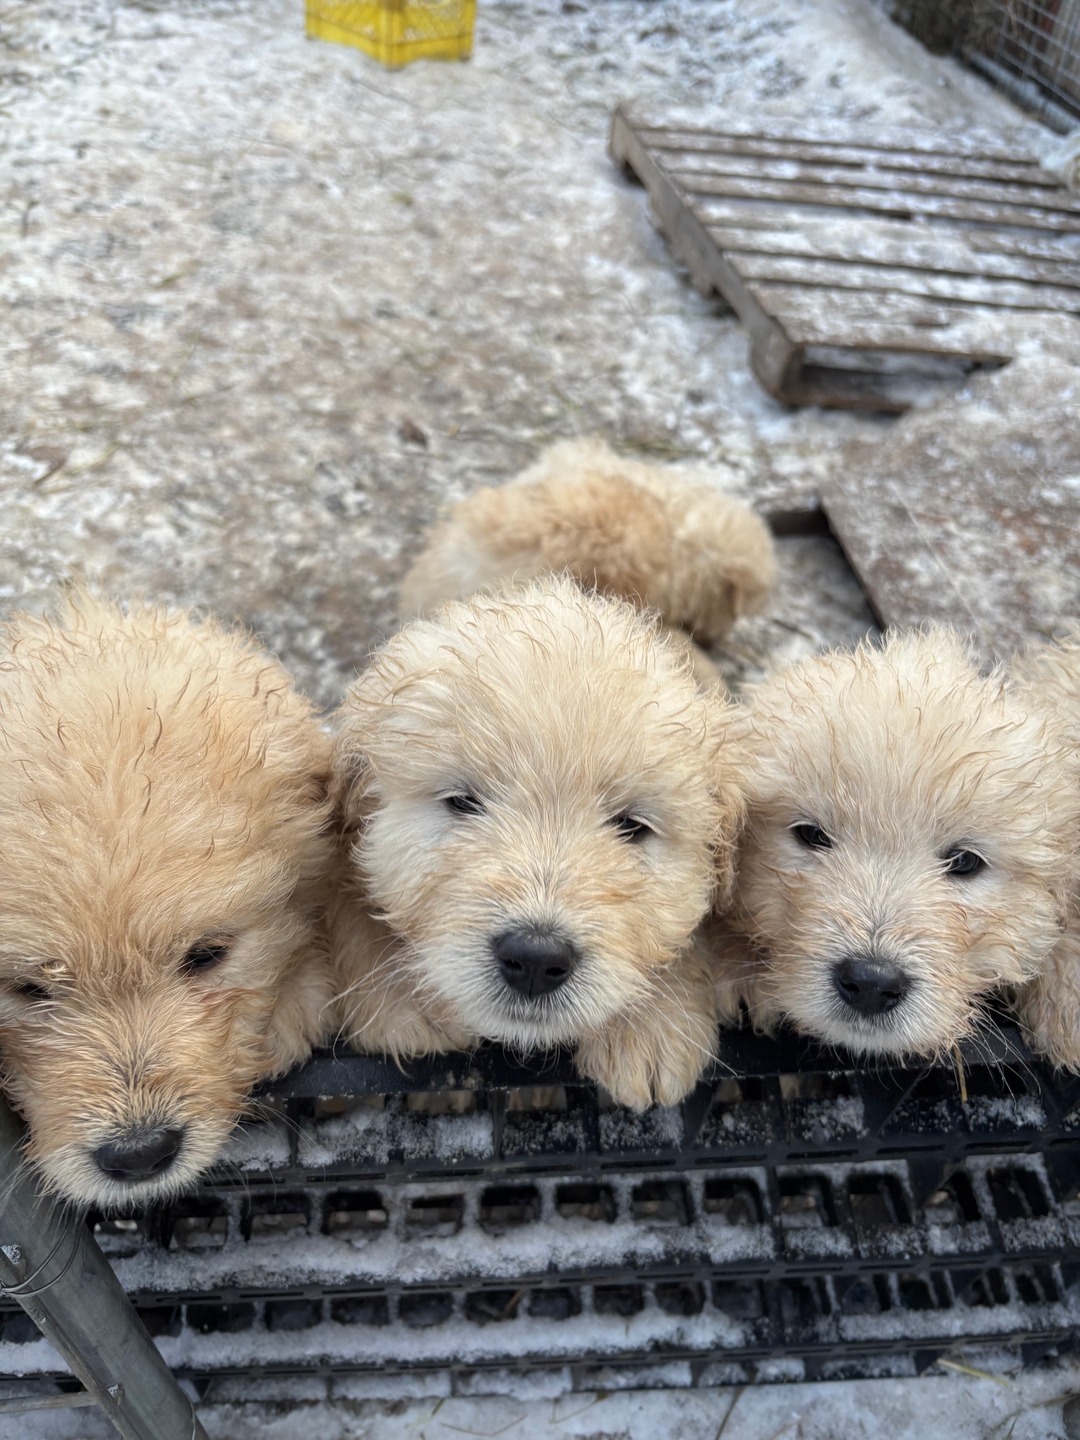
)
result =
(539, 804)
(910, 845)
(164, 850)
(1049, 1005)
(659, 536)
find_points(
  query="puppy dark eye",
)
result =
(963, 862)
(204, 956)
(812, 836)
(29, 990)
(463, 804)
(630, 827)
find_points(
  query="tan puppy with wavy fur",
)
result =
(910, 846)
(163, 803)
(540, 804)
(662, 537)
(1049, 1005)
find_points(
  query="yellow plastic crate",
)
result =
(396, 31)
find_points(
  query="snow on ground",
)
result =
(956, 1406)
(235, 262)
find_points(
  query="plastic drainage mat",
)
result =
(472, 1215)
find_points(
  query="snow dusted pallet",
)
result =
(477, 1218)
(865, 263)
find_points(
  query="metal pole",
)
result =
(50, 1264)
(1026, 94)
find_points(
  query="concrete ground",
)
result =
(962, 1404)
(269, 307)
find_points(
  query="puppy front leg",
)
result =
(303, 1013)
(654, 1052)
(388, 1018)
(379, 1006)
(740, 977)
(1049, 1005)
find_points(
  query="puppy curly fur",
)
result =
(161, 785)
(1049, 1005)
(900, 754)
(664, 538)
(552, 715)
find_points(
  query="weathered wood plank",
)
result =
(1033, 244)
(772, 354)
(854, 321)
(982, 533)
(861, 281)
(1045, 195)
(922, 364)
(870, 242)
(839, 134)
(906, 581)
(751, 214)
(1025, 170)
(885, 202)
(891, 280)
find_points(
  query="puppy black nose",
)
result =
(534, 962)
(871, 987)
(141, 1155)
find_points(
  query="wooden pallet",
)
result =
(863, 264)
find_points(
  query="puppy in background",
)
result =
(163, 818)
(660, 537)
(910, 845)
(1049, 1004)
(539, 806)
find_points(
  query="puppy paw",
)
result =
(654, 1053)
(1049, 1005)
(405, 1033)
(392, 1020)
(303, 1014)
(602, 1059)
(1054, 1034)
(379, 1006)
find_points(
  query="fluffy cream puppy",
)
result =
(163, 845)
(1049, 1005)
(540, 804)
(665, 538)
(910, 845)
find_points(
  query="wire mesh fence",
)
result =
(1033, 43)
(1038, 40)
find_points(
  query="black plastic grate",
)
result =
(802, 1216)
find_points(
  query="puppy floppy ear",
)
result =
(1049, 1005)
(728, 789)
(351, 784)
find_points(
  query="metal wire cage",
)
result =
(1038, 40)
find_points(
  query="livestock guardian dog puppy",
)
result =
(539, 803)
(163, 809)
(661, 537)
(910, 845)
(1049, 1005)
